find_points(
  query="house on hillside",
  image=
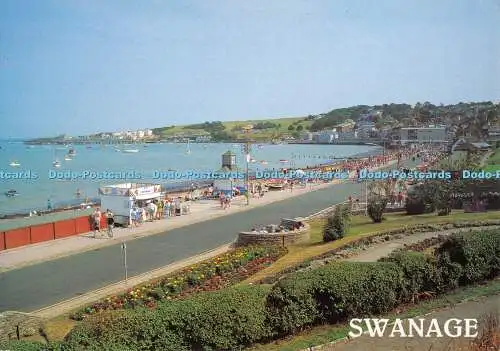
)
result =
(463, 145)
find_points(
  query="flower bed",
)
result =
(213, 274)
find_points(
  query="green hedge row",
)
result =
(221, 320)
(334, 293)
(233, 318)
(475, 254)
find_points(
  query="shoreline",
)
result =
(181, 188)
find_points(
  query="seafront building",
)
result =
(431, 134)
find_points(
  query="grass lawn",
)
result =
(493, 162)
(328, 333)
(260, 134)
(361, 226)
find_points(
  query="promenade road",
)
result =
(37, 286)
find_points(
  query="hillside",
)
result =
(263, 129)
(391, 115)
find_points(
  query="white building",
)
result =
(140, 134)
(148, 132)
(423, 135)
(326, 137)
(203, 138)
(365, 129)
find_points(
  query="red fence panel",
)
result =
(104, 222)
(64, 229)
(83, 225)
(17, 237)
(2, 241)
(42, 232)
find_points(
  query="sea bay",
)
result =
(34, 192)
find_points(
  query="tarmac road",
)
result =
(37, 286)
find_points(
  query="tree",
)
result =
(291, 127)
(299, 128)
(376, 207)
(337, 224)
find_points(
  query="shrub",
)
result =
(336, 225)
(222, 320)
(414, 206)
(376, 207)
(478, 254)
(333, 293)
(418, 269)
(420, 200)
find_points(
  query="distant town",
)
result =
(388, 125)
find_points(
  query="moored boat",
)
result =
(11, 193)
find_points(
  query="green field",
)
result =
(234, 128)
(493, 163)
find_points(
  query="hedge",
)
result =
(419, 272)
(477, 253)
(221, 320)
(333, 293)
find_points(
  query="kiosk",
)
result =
(121, 198)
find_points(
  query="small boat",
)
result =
(131, 151)
(188, 150)
(275, 186)
(14, 164)
(284, 161)
(71, 152)
(67, 158)
(253, 160)
(263, 162)
(89, 147)
(11, 193)
(56, 164)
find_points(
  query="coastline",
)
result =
(173, 188)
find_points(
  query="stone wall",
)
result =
(18, 324)
(299, 235)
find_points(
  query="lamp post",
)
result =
(366, 197)
(247, 159)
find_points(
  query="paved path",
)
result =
(36, 286)
(376, 252)
(473, 309)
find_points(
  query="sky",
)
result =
(83, 66)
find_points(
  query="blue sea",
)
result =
(38, 161)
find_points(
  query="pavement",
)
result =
(31, 282)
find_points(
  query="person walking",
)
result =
(97, 221)
(110, 217)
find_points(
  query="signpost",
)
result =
(124, 252)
